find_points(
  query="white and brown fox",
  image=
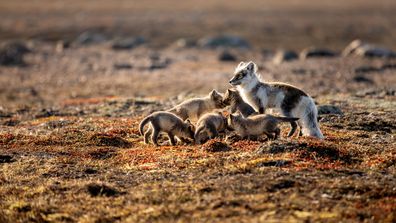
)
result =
(234, 100)
(209, 126)
(257, 125)
(291, 101)
(166, 122)
(194, 108)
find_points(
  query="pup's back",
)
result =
(208, 127)
(165, 121)
(194, 108)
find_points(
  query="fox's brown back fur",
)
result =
(196, 107)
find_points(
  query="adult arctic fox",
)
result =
(291, 101)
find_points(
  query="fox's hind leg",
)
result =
(147, 134)
(293, 129)
(172, 139)
(154, 136)
(277, 132)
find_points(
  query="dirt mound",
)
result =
(102, 139)
(215, 145)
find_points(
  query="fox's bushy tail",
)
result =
(143, 123)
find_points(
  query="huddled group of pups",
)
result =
(246, 103)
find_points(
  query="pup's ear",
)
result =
(251, 67)
(241, 64)
(188, 121)
(215, 95)
(191, 128)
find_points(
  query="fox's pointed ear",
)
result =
(188, 121)
(251, 67)
(241, 64)
(214, 94)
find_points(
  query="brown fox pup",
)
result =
(257, 125)
(234, 100)
(166, 122)
(208, 127)
(194, 108)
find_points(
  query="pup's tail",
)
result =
(143, 123)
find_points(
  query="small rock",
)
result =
(185, 43)
(61, 45)
(95, 189)
(157, 62)
(316, 52)
(11, 54)
(90, 171)
(223, 41)
(226, 56)
(6, 159)
(122, 66)
(128, 43)
(329, 109)
(89, 37)
(389, 66)
(281, 185)
(362, 79)
(56, 124)
(276, 163)
(284, 56)
(367, 69)
(360, 48)
(376, 93)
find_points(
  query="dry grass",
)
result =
(70, 150)
(98, 169)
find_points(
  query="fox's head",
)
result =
(217, 98)
(244, 74)
(229, 96)
(189, 129)
(231, 120)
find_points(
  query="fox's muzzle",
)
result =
(234, 82)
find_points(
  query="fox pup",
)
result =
(257, 125)
(234, 100)
(166, 122)
(209, 126)
(194, 108)
(291, 101)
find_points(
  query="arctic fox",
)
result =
(291, 101)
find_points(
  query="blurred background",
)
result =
(265, 23)
(61, 52)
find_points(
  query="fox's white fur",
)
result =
(289, 100)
